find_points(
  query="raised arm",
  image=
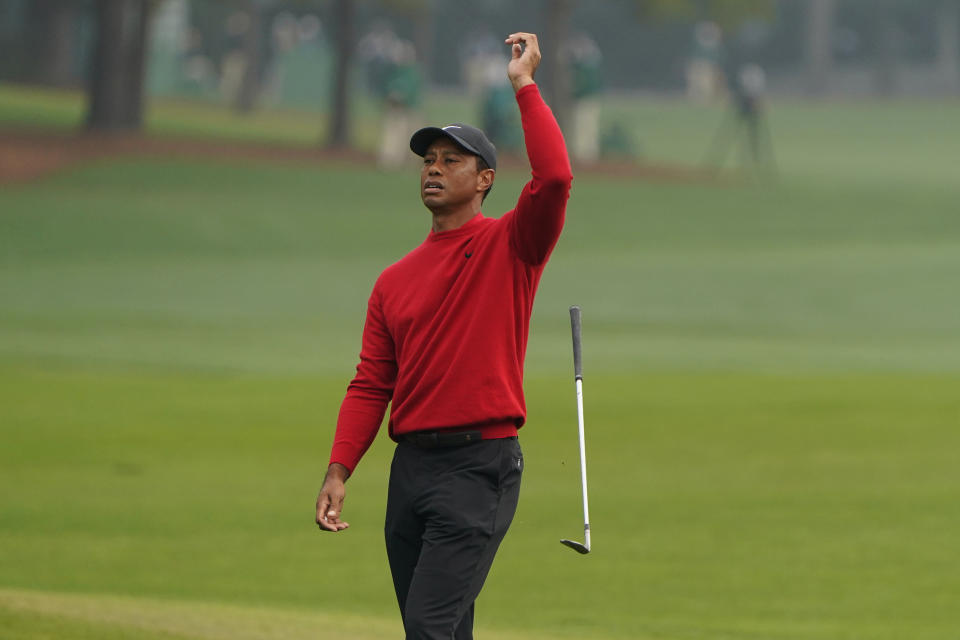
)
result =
(542, 204)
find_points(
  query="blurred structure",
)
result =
(704, 71)
(812, 47)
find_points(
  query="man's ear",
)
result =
(485, 179)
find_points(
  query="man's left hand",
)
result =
(525, 59)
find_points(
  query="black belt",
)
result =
(440, 439)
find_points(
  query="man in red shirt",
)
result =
(443, 344)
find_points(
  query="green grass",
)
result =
(842, 144)
(63, 111)
(863, 143)
(771, 375)
(30, 615)
(735, 505)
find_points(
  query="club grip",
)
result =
(575, 328)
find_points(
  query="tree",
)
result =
(559, 82)
(53, 24)
(253, 46)
(887, 37)
(115, 90)
(820, 17)
(948, 44)
(727, 13)
(339, 134)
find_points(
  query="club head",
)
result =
(576, 546)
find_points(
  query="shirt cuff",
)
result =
(530, 89)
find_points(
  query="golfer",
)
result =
(444, 341)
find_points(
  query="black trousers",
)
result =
(447, 512)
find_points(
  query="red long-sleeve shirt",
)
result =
(446, 328)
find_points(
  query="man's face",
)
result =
(449, 177)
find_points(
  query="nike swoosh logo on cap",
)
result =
(452, 126)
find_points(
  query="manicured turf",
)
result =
(723, 505)
(771, 377)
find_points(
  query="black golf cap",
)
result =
(470, 138)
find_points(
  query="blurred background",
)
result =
(350, 68)
(196, 197)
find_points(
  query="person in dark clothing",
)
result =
(444, 344)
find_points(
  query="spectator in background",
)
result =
(705, 67)
(301, 56)
(376, 51)
(481, 52)
(746, 124)
(587, 84)
(748, 92)
(498, 111)
(199, 75)
(394, 78)
(401, 93)
(234, 62)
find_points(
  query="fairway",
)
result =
(770, 386)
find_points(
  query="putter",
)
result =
(578, 373)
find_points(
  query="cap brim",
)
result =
(422, 139)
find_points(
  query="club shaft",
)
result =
(575, 326)
(583, 464)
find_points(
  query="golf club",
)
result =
(578, 373)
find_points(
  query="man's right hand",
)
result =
(330, 499)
